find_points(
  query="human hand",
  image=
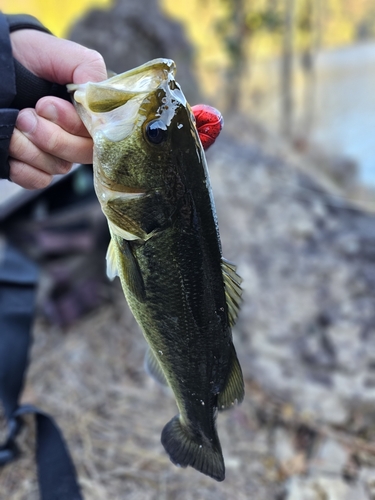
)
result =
(47, 140)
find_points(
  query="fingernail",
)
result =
(49, 112)
(26, 121)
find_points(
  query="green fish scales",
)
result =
(152, 181)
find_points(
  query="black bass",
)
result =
(151, 179)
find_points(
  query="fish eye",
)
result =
(156, 131)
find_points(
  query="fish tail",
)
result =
(186, 449)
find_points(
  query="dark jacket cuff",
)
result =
(7, 119)
(24, 21)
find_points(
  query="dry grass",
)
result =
(91, 379)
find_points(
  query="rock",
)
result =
(306, 328)
(367, 476)
(337, 489)
(300, 489)
(329, 407)
(284, 449)
(330, 458)
(358, 491)
(323, 488)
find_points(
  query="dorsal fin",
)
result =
(233, 290)
(233, 392)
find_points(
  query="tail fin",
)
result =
(184, 450)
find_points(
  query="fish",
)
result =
(152, 181)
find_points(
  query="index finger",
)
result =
(55, 59)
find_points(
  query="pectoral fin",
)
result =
(233, 290)
(121, 262)
(112, 270)
(233, 392)
(153, 368)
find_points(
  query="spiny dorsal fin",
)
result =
(153, 368)
(233, 290)
(233, 392)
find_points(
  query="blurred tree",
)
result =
(365, 28)
(286, 89)
(293, 30)
(243, 20)
(309, 26)
(234, 32)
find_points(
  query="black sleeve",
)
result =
(7, 94)
(19, 88)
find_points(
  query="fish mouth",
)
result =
(105, 96)
(112, 108)
(144, 78)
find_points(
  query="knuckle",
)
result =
(76, 126)
(17, 144)
(34, 156)
(63, 167)
(27, 176)
(53, 142)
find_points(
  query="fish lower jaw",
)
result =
(106, 194)
(106, 189)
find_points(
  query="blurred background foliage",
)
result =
(303, 68)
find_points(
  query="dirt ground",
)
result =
(90, 377)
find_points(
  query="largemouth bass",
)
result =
(151, 178)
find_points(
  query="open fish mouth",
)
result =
(144, 78)
(111, 108)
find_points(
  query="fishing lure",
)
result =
(209, 122)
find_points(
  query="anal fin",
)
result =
(234, 391)
(153, 367)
